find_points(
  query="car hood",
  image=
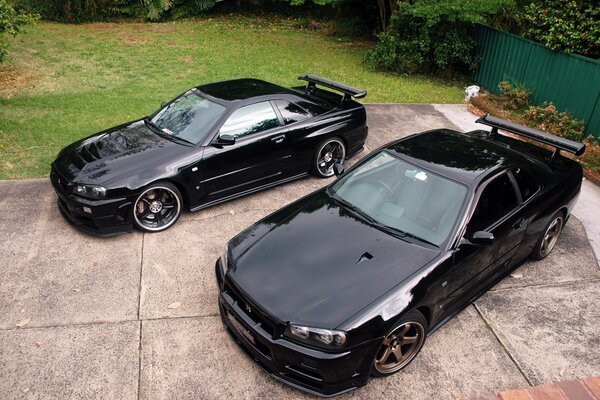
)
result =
(316, 263)
(115, 152)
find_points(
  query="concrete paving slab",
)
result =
(388, 122)
(551, 331)
(571, 260)
(193, 358)
(587, 210)
(179, 264)
(75, 362)
(55, 275)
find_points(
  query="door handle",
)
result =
(519, 223)
(278, 139)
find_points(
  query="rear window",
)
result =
(291, 112)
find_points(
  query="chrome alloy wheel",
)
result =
(330, 152)
(551, 236)
(157, 208)
(399, 348)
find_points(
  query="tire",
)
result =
(328, 153)
(549, 237)
(396, 352)
(157, 207)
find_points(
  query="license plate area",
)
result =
(240, 328)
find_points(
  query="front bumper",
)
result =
(106, 217)
(317, 372)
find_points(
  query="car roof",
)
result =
(242, 89)
(466, 157)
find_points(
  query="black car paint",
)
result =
(127, 158)
(304, 265)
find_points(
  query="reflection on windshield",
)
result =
(190, 117)
(403, 197)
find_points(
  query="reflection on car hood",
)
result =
(114, 152)
(308, 263)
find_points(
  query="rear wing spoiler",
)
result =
(348, 91)
(555, 141)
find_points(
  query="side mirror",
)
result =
(482, 238)
(338, 168)
(226, 140)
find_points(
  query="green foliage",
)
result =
(549, 119)
(432, 36)
(516, 97)
(11, 21)
(569, 25)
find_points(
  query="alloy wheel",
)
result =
(329, 154)
(399, 348)
(551, 236)
(157, 208)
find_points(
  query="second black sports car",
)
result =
(349, 281)
(213, 143)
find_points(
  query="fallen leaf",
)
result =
(231, 212)
(38, 344)
(76, 290)
(23, 323)
(95, 263)
(26, 390)
(23, 311)
(174, 305)
(516, 276)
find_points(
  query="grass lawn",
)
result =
(63, 82)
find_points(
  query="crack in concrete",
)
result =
(541, 285)
(504, 347)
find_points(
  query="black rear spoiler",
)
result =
(348, 91)
(539, 136)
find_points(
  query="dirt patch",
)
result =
(135, 41)
(12, 80)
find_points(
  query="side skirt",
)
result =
(249, 191)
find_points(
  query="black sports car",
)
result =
(211, 144)
(349, 281)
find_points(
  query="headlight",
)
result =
(316, 336)
(225, 259)
(90, 191)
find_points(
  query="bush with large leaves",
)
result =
(432, 36)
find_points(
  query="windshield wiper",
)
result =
(386, 228)
(162, 133)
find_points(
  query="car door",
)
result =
(256, 158)
(298, 121)
(497, 211)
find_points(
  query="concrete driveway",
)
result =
(135, 316)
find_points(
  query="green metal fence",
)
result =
(570, 81)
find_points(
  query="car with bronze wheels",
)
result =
(213, 143)
(349, 281)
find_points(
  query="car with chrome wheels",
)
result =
(213, 143)
(349, 281)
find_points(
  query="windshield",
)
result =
(189, 117)
(403, 197)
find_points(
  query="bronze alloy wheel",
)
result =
(157, 208)
(399, 348)
(328, 154)
(551, 236)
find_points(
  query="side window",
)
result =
(497, 199)
(528, 185)
(291, 112)
(250, 119)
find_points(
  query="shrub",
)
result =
(569, 25)
(432, 36)
(11, 21)
(516, 97)
(547, 118)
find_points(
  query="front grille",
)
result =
(267, 323)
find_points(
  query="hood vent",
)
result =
(365, 257)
